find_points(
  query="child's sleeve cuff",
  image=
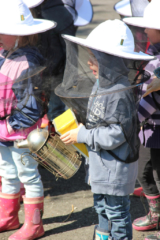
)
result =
(82, 135)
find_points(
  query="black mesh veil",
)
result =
(103, 95)
(140, 38)
(79, 79)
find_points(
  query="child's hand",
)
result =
(152, 87)
(70, 137)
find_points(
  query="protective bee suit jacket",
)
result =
(21, 107)
(111, 129)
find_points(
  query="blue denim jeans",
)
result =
(13, 172)
(114, 216)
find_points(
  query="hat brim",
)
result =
(38, 26)
(123, 8)
(109, 50)
(84, 14)
(142, 22)
(32, 3)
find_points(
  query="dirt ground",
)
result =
(68, 208)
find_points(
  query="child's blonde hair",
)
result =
(31, 40)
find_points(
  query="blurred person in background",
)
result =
(68, 14)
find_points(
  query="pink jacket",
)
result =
(10, 70)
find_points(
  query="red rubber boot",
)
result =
(138, 192)
(9, 207)
(33, 226)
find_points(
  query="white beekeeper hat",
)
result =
(150, 19)
(17, 19)
(131, 8)
(84, 12)
(113, 37)
(32, 3)
(123, 8)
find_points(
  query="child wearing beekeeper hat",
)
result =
(21, 110)
(99, 92)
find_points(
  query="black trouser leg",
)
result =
(149, 170)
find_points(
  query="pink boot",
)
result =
(152, 219)
(9, 207)
(33, 226)
(138, 192)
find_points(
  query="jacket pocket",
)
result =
(98, 171)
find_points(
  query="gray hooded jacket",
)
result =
(111, 130)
